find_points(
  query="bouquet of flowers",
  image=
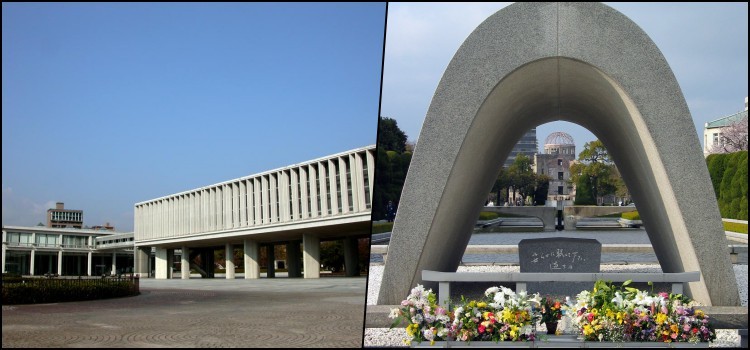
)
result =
(425, 319)
(502, 315)
(628, 314)
(550, 309)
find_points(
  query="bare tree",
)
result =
(732, 138)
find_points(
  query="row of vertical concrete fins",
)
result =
(335, 185)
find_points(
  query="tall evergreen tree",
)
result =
(392, 164)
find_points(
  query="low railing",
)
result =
(445, 279)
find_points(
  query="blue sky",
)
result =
(705, 44)
(107, 105)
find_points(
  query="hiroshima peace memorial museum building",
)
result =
(297, 207)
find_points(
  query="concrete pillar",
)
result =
(59, 262)
(88, 263)
(229, 260)
(293, 259)
(311, 260)
(31, 263)
(185, 263)
(170, 262)
(141, 260)
(114, 263)
(351, 257)
(252, 256)
(4, 251)
(161, 264)
(271, 263)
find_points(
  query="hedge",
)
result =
(729, 179)
(488, 215)
(17, 290)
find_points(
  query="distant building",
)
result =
(40, 250)
(559, 154)
(64, 218)
(527, 145)
(714, 130)
(106, 227)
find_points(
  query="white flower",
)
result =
(457, 312)
(417, 319)
(500, 298)
(428, 334)
(536, 299)
(394, 313)
(442, 333)
(640, 298)
(618, 300)
(491, 290)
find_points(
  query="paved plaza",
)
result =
(326, 312)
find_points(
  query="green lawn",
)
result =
(382, 227)
(735, 227)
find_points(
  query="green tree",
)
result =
(392, 164)
(390, 137)
(502, 184)
(716, 165)
(542, 189)
(733, 188)
(520, 178)
(594, 171)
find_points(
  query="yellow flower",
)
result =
(699, 313)
(507, 316)
(620, 317)
(481, 304)
(587, 330)
(513, 332)
(661, 318)
(411, 329)
(610, 314)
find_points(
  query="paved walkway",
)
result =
(327, 312)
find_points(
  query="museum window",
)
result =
(366, 178)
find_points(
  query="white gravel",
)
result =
(380, 337)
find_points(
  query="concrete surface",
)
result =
(326, 312)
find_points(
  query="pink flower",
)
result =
(664, 295)
(481, 329)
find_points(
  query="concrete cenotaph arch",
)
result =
(533, 63)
